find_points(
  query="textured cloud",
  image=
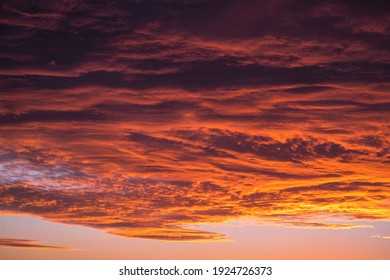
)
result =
(143, 117)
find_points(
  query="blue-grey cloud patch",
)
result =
(35, 167)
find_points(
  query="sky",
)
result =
(180, 125)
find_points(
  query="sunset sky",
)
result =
(232, 129)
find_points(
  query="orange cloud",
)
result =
(194, 113)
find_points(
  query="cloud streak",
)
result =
(28, 244)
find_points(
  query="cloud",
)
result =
(308, 89)
(374, 141)
(170, 234)
(140, 118)
(314, 225)
(35, 166)
(49, 116)
(28, 244)
(380, 237)
(294, 149)
(334, 186)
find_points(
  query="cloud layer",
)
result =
(142, 117)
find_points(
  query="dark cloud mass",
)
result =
(143, 117)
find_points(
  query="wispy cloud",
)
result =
(380, 237)
(29, 244)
